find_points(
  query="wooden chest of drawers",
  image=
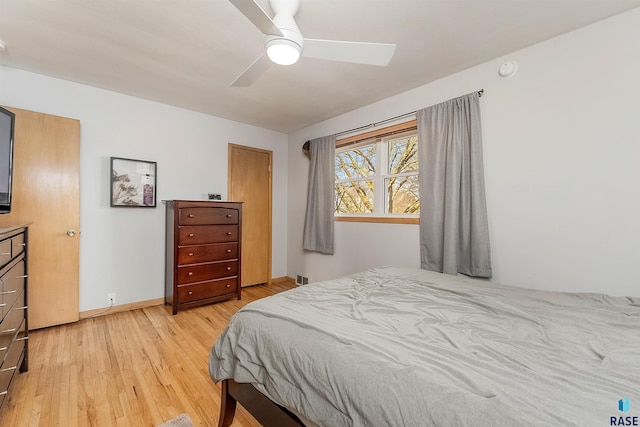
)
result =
(13, 306)
(202, 252)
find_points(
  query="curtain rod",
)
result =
(480, 92)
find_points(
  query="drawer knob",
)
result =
(190, 292)
(190, 273)
(190, 234)
(190, 253)
(228, 286)
(190, 215)
(228, 215)
(228, 268)
(228, 233)
(228, 251)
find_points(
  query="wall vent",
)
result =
(302, 280)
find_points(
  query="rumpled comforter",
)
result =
(407, 347)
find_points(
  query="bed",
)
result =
(406, 347)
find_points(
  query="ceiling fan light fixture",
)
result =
(283, 51)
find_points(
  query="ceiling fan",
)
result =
(284, 42)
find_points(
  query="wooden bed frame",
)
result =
(268, 413)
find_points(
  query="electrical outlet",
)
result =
(111, 299)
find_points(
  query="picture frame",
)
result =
(133, 183)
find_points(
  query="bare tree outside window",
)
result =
(354, 193)
(362, 174)
(402, 185)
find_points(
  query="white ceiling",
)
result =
(187, 52)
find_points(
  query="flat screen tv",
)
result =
(7, 123)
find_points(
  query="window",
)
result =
(377, 175)
(355, 176)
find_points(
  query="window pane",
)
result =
(354, 197)
(357, 163)
(403, 154)
(402, 195)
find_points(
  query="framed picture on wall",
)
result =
(133, 183)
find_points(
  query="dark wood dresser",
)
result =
(13, 305)
(202, 252)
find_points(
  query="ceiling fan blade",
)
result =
(357, 52)
(257, 16)
(254, 71)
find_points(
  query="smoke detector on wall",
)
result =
(508, 69)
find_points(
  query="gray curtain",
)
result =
(454, 234)
(318, 221)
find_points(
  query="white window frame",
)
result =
(382, 168)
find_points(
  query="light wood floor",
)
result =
(135, 368)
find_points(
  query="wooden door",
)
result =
(250, 183)
(46, 192)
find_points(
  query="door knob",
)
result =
(71, 233)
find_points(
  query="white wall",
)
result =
(562, 167)
(121, 249)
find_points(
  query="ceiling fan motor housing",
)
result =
(285, 10)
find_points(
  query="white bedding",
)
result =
(404, 347)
